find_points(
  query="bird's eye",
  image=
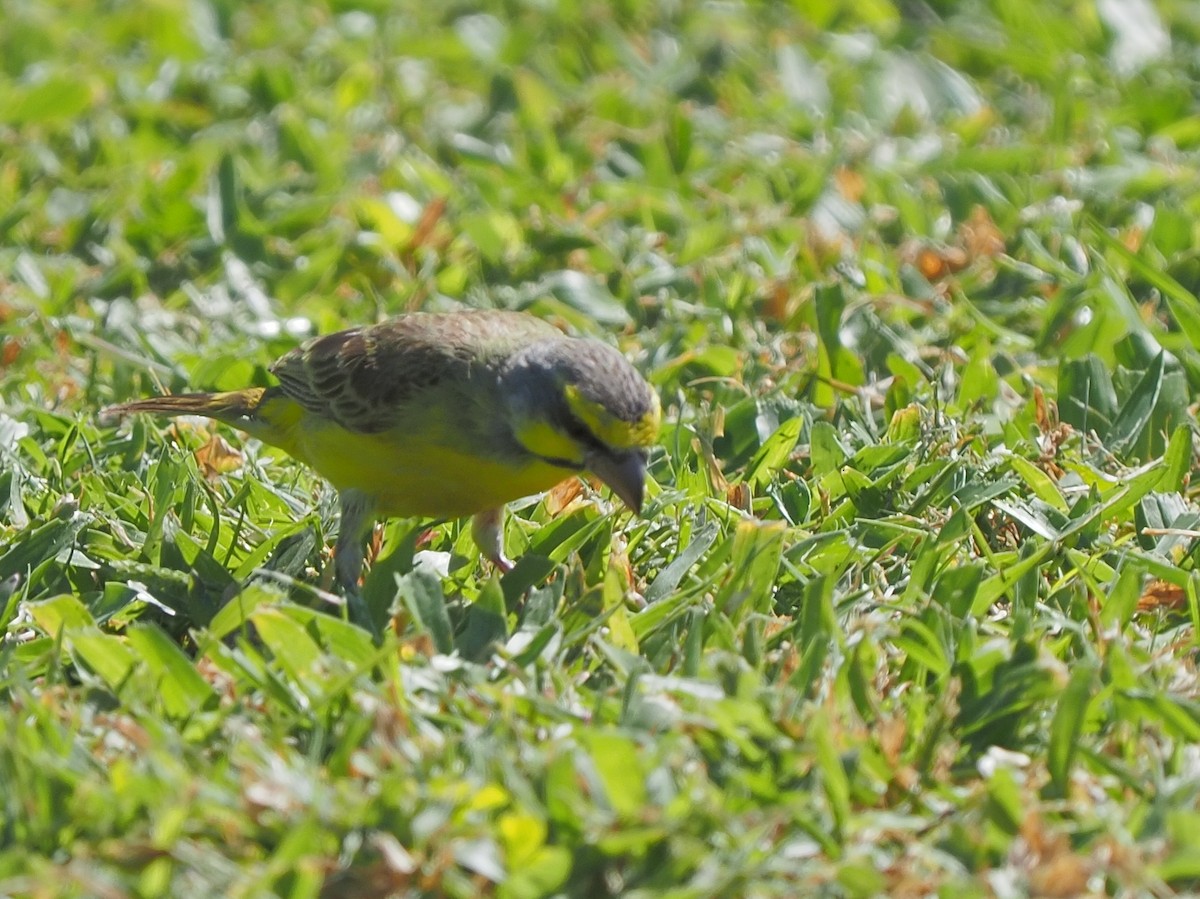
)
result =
(578, 431)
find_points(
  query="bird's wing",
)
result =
(363, 378)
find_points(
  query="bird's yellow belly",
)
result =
(419, 474)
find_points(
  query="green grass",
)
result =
(913, 609)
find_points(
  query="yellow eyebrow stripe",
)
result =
(543, 440)
(610, 430)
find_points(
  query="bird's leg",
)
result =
(487, 530)
(358, 513)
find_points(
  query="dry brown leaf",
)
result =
(580, 260)
(418, 646)
(1055, 869)
(1039, 405)
(776, 302)
(137, 735)
(561, 495)
(1062, 877)
(597, 214)
(1033, 832)
(979, 236)
(850, 184)
(934, 264)
(718, 422)
(430, 216)
(738, 495)
(374, 544)
(892, 734)
(1161, 595)
(10, 349)
(217, 457)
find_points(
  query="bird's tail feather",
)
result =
(235, 407)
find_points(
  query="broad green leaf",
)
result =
(342, 639)
(182, 690)
(918, 641)
(955, 589)
(1135, 412)
(237, 612)
(1006, 800)
(1039, 483)
(487, 622)
(1181, 866)
(905, 424)
(669, 578)
(523, 835)
(110, 657)
(1066, 728)
(1192, 591)
(1176, 461)
(1180, 718)
(59, 98)
(829, 767)
(33, 546)
(828, 454)
(756, 551)
(586, 294)
(818, 632)
(1120, 602)
(1186, 312)
(61, 613)
(1086, 399)
(775, 453)
(542, 874)
(616, 759)
(420, 593)
(1183, 303)
(620, 633)
(289, 642)
(792, 499)
(1000, 583)
(1034, 519)
(834, 361)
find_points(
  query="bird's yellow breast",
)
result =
(421, 469)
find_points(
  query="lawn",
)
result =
(912, 609)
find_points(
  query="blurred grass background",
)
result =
(913, 607)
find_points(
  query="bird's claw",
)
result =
(487, 530)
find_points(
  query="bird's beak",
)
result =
(624, 473)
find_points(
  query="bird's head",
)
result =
(580, 405)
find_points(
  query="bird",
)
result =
(443, 415)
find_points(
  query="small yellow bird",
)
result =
(443, 415)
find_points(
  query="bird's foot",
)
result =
(487, 530)
(348, 566)
(348, 554)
